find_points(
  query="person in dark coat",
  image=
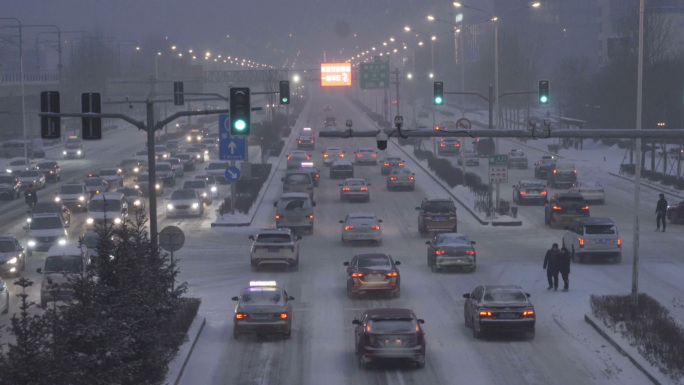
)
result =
(551, 265)
(31, 196)
(661, 211)
(564, 267)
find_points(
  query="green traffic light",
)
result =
(438, 100)
(543, 99)
(284, 100)
(240, 125)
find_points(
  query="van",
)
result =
(110, 207)
(298, 181)
(61, 261)
(295, 211)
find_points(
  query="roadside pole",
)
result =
(233, 189)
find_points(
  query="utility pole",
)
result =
(396, 83)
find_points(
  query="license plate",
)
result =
(508, 315)
(601, 241)
(273, 249)
(440, 218)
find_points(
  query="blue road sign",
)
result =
(232, 174)
(230, 147)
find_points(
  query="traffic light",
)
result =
(239, 111)
(178, 96)
(543, 92)
(284, 92)
(50, 127)
(92, 127)
(439, 93)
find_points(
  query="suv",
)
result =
(166, 172)
(561, 175)
(563, 208)
(593, 237)
(107, 208)
(275, 247)
(295, 210)
(73, 148)
(298, 181)
(449, 146)
(543, 166)
(517, 159)
(61, 262)
(437, 214)
(50, 169)
(44, 231)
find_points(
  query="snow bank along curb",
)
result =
(646, 183)
(177, 366)
(628, 352)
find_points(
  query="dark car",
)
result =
(315, 173)
(330, 121)
(529, 191)
(134, 197)
(499, 308)
(389, 334)
(675, 213)
(561, 175)
(50, 169)
(10, 187)
(95, 185)
(449, 146)
(484, 146)
(52, 207)
(341, 169)
(130, 167)
(372, 273)
(543, 166)
(451, 250)
(562, 208)
(263, 309)
(437, 215)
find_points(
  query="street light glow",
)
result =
(432, 75)
(535, 5)
(457, 4)
(431, 18)
(433, 38)
(407, 29)
(173, 47)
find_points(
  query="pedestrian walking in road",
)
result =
(551, 261)
(31, 196)
(564, 267)
(661, 211)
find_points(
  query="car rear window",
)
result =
(261, 297)
(392, 326)
(571, 199)
(274, 238)
(294, 204)
(374, 262)
(600, 229)
(439, 207)
(504, 296)
(298, 179)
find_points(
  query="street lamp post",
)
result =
(21, 80)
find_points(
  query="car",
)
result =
(401, 178)
(529, 191)
(95, 185)
(327, 107)
(202, 188)
(330, 121)
(389, 334)
(12, 256)
(499, 308)
(17, 165)
(4, 297)
(562, 208)
(91, 240)
(295, 211)
(143, 183)
(142, 156)
(211, 182)
(50, 169)
(184, 203)
(113, 176)
(263, 308)
(196, 152)
(470, 157)
(374, 272)
(451, 250)
(517, 159)
(449, 146)
(173, 146)
(275, 247)
(74, 149)
(73, 195)
(177, 166)
(561, 175)
(33, 178)
(187, 160)
(62, 263)
(10, 186)
(134, 197)
(217, 169)
(354, 189)
(44, 231)
(361, 227)
(366, 155)
(591, 191)
(167, 173)
(210, 144)
(315, 173)
(331, 154)
(194, 136)
(484, 146)
(107, 209)
(437, 214)
(130, 167)
(543, 166)
(51, 208)
(675, 213)
(298, 181)
(341, 168)
(389, 163)
(306, 141)
(161, 152)
(593, 238)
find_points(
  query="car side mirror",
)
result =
(275, 204)
(25, 227)
(528, 295)
(418, 208)
(356, 322)
(473, 242)
(291, 298)
(39, 270)
(467, 295)
(397, 263)
(420, 321)
(368, 184)
(282, 179)
(20, 248)
(380, 220)
(339, 184)
(313, 204)
(345, 263)
(427, 242)
(341, 221)
(234, 298)
(299, 237)
(251, 237)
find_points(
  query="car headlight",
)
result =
(136, 169)
(165, 156)
(169, 206)
(198, 156)
(13, 261)
(137, 202)
(117, 221)
(206, 152)
(62, 241)
(78, 152)
(137, 186)
(57, 199)
(195, 205)
(52, 172)
(31, 243)
(90, 221)
(157, 186)
(64, 152)
(199, 137)
(28, 220)
(204, 194)
(119, 170)
(81, 198)
(213, 188)
(189, 138)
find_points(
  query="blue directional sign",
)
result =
(230, 147)
(232, 174)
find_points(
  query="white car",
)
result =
(161, 152)
(590, 190)
(332, 153)
(202, 188)
(366, 155)
(401, 178)
(184, 203)
(17, 165)
(276, 246)
(34, 177)
(354, 189)
(217, 169)
(212, 183)
(295, 159)
(361, 227)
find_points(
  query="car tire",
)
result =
(6, 310)
(674, 218)
(362, 364)
(617, 259)
(378, 243)
(434, 267)
(236, 335)
(295, 267)
(466, 320)
(472, 269)
(476, 333)
(420, 364)
(530, 334)
(397, 293)
(288, 334)
(421, 230)
(454, 229)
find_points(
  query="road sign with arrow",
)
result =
(230, 147)
(232, 174)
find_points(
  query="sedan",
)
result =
(499, 308)
(306, 141)
(217, 169)
(375, 272)
(590, 190)
(470, 157)
(451, 250)
(366, 155)
(529, 191)
(113, 176)
(212, 183)
(354, 189)
(295, 159)
(143, 183)
(389, 334)
(391, 162)
(361, 227)
(95, 185)
(263, 308)
(134, 197)
(675, 212)
(34, 177)
(12, 256)
(330, 154)
(202, 189)
(401, 178)
(50, 169)
(184, 203)
(17, 165)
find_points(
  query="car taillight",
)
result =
(364, 188)
(359, 155)
(484, 313)
(401, 164)
(393, 178)
(619, 242)
(581, 242)
(543, 193)
(527, 313)
(523, 192)
(341, 155)
(411, 178)
(374, 155)
(393, 274)
(442, 145)
(279, 217)
(440, 252)
(555, 171)
(300, 142)
(241, 315)
(307, 157)
(346, 189)
(357, 275)
(585, 208)
(283, 315)
(318, 175)
(349, 227)
(375, 227)
(556, 207)
(325, 155)
(288, 157)
(457, 145)
(575, 171)
(310, 216)
(436, 127)
(470, 252)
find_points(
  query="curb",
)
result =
(649, 185)
(185, 351)
(595, 324)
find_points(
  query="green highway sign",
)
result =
(375, 75)
(498, 160)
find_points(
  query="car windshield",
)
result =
(45, 207)
(600, 229)
(571, 199)
(67, 263)
(294, 204)
(392, 326)
(29, 174)
(183, 156)
(379, 261)
(274, 238)
(93, 182)
(297, 179)
(72, 145)
(7, 246)
(440, 207)
(162, 167)
(590, 185)
(99, 205)
(505, 296)
(143, 178)
(195, 184)
(517, 153)
(127, 191)
(183, 194)
(107, 172)
(392, 159)
(159, 148)
(45, 166)
(6, 179)
(261, 297)
(127, 162)
(46, 223)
